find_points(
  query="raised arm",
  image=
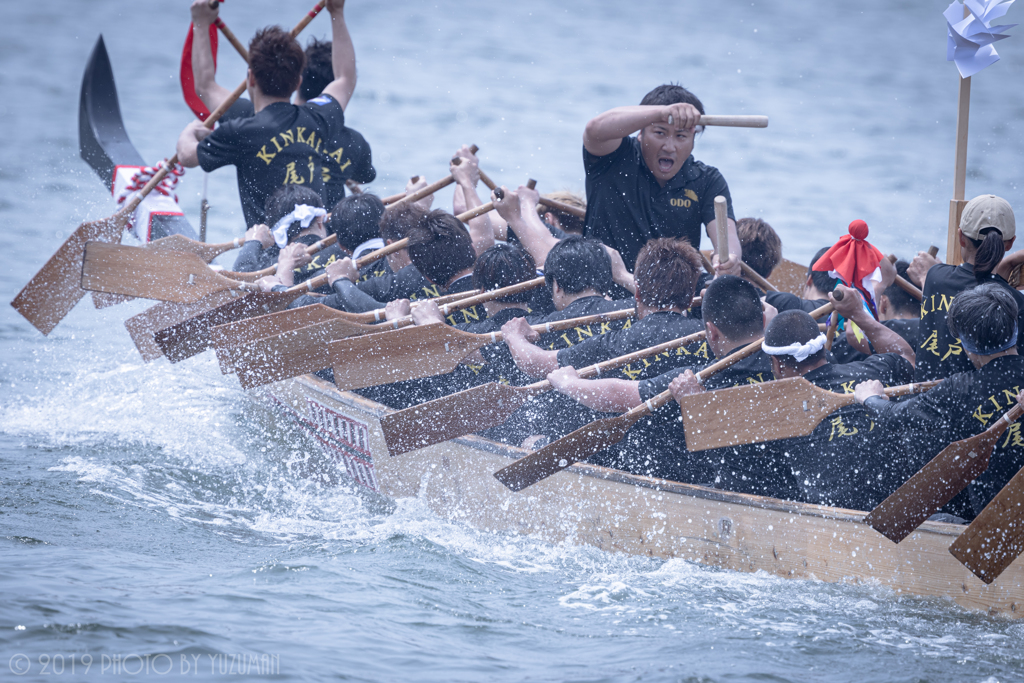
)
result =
(467, 174)
(884, 340)
(603, 133)
(203, 71)
(519, 209)
(343, 56)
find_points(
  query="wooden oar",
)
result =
(833, 327)
(596, 436)
(297, 345)
(433, 187)
(995, 538)
(251, 330)
(52, 292)
(433, 349)
(780, 409)
(187, 338)
(485, 406)
(412, 352)
(722, 228)
(946, 475)
(205, 251)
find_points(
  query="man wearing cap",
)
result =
(987, 231)
(648, 186)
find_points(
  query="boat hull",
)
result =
(616, 511)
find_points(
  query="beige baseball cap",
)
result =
(987, 211)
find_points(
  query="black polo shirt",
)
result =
(626, 206)
(843, 352)
(939, 354)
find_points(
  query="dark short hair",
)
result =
(569, 222)
(793, 327)
(283, 202)
(504, 265)
(900, 299)
(762, 248)
(440, 247)
(984, 317)
(820, 278)
(398, 220)
(733, 306)
(276, 60)
(356, 219)
(577, 264)
(666, 273)
(671, 93)
(319, 71)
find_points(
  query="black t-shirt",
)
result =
(653, 329)
(843, 352)
(282, 144)
(754, 369)
(964, 405)
(626, 206)
(939, 354)
(843, 462)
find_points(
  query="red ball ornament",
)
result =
(859, 230)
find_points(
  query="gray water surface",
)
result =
(151, 510)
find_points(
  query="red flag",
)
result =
(188, 87)
(854, 260)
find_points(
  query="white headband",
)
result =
(799, 351)
(303, 213)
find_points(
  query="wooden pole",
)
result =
(956, 205)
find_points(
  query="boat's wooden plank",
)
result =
(637, 515)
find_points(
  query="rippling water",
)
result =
(155, 510)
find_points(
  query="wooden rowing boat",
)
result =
(616, 511)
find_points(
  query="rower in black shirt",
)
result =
(666, 274)
(651, 186)
(281, 143)
(986, 320)
(733, 317)
(897, 310)
(815, 294)
(355, 222)
(987, 230)
(297, 216)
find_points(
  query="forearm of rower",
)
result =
(605, 395)
(533, 360)
(881, 337)
(480, 228)
(534, 235)
(203, 71)
(603, 133)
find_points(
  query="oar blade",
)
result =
(945, 475)
(143, 327)
(409, 353)
(452, 416)
(192, 336)
(558, 455)
(995, 538)
(204, 250)
(139, 272)
(755, 413)
(52, 292)
(290, 354)
(262, 326)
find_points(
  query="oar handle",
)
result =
(1007, 419)
(473, 213)
(756, 278)
(722, 227)
(322, 279)
(435, 186)
(933, 251)
(486, 180)
(230, 35)
(735, 121)
(492, 295)
(914, 388)
(563, 207)
(388, 201)
(214, 116)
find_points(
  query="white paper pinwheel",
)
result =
(970, 38)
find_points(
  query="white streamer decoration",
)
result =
(970, 38)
